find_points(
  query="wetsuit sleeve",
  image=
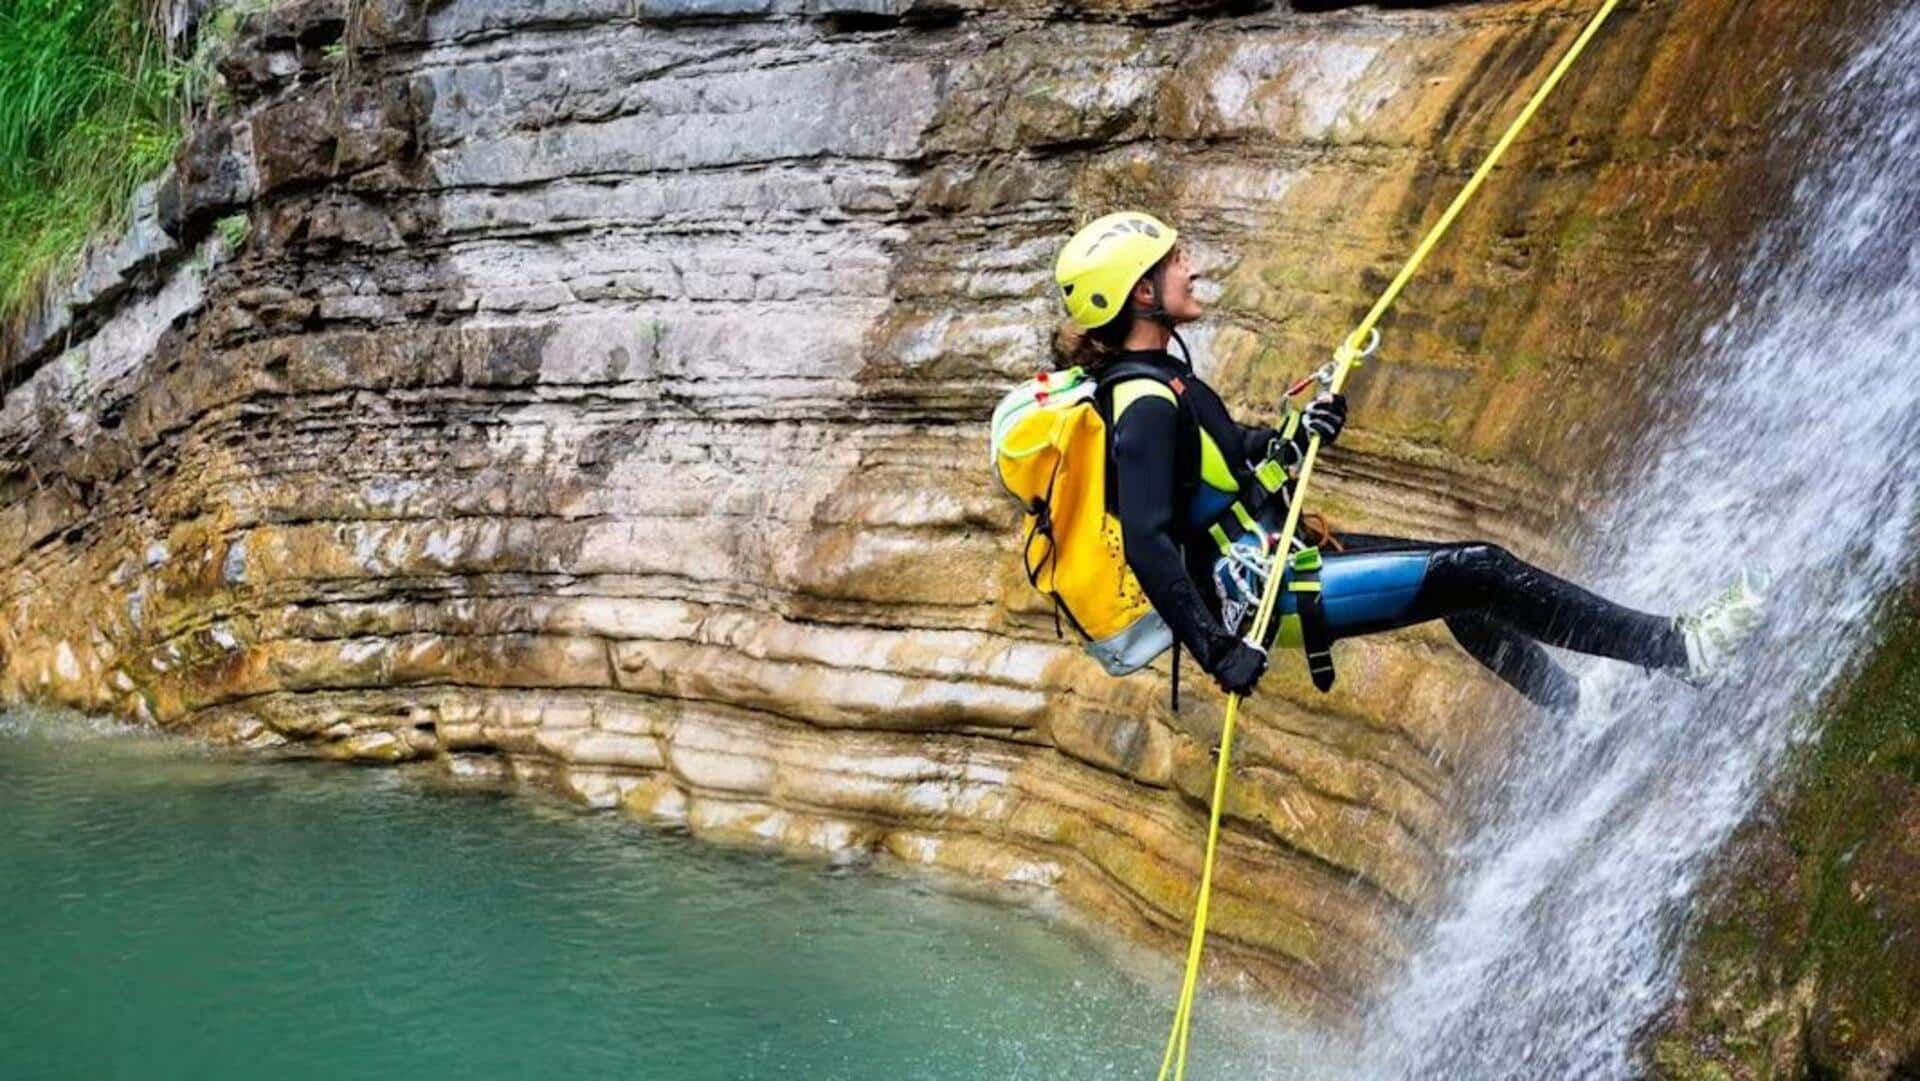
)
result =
(1145, 436)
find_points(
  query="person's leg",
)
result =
(1517, 660)
(1489, 580)
(1383, 583)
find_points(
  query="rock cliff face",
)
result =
(595, 398)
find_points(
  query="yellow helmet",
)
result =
(1101, 263)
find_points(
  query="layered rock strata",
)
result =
(597, 400)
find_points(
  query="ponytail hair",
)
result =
(1096, 348)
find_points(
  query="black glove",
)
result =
(1326, 416)
(1240, 670)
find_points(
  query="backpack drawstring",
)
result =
(1176, 676)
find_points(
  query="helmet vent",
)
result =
(1067, 289)
(1099, 301)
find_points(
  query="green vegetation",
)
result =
(1856, 832)
(233, 231)
(1577, 232)
(93, 107)
(1804, 961)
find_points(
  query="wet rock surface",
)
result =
(1805, 955)
(597, 399)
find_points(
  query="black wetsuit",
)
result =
(1498, 607)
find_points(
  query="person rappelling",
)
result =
(1153, 515)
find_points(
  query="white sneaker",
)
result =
(1718, 629)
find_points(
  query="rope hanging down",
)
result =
(1175, 1059)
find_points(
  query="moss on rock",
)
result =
(1805, 956)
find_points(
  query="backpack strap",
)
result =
(1211, 416)
(1201, 411)
(1186, 455)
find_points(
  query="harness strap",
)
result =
(1315, 635)
(1263, 484)
(1271, 476)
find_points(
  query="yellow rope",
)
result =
(1349, 354)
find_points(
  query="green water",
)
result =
(169, 911)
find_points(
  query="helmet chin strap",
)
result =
(1158, 314)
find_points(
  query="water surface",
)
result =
(169, 911)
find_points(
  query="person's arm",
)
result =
(1145, 435)
(1287, 444)
(1259, 442)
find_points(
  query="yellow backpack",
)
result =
(1050, 452)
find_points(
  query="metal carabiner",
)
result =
(1325, 373)
(1373, 346)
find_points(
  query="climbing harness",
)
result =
(1240, 581)
(1174, 1062)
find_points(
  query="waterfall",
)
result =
(1799, 453)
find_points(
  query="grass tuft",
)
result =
(91, 106)
(233, 231)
